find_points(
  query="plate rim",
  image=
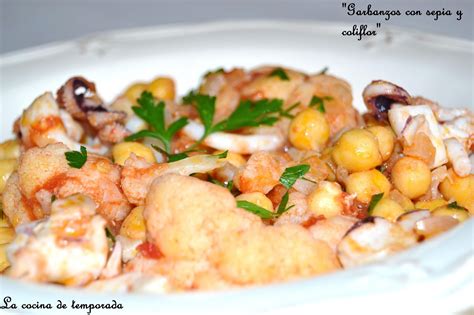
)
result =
(167, 30)
(50, 49)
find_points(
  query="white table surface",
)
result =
(27, 23)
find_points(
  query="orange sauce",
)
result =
(149, 250)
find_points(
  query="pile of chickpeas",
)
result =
(361, 151)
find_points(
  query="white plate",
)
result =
(437, 275)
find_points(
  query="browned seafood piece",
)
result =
(79, 97)
(379, 96)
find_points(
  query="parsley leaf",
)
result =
(169, 156)
(222, 155)
(177, 157)
(282, 207)
(381, 168)
(318, 102)
(454, 205)
(154, 114)
(109, 235)
(218, 70)
(309, 180)
(206, 107)
(188, 98)
(264, 213)
(323, 70)
(229, 185)
(76, 159)
(255, 209)
(288, 178)
(292, 174)
(251, 114)
(279, 72)
(247, 114)
(286, 112)
(373, 202)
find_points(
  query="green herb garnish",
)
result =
(279, 72)
(109, 235)
(381, 168)
(222, 155)
(247, 114)
(255, 209)
(76, 159)
(286, 112)
(323, 70)
(309, 180)
(454, 205)
(177, 157)
(373, 202)
(287, 179)
(188, 98)
(154, 114)
(282, 207)
(292, 174)
(229, 185)
(264, 213)
(318, 102)
(251, 114)
(218, 70)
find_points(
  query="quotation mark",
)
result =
(344, 4)
(378, 25)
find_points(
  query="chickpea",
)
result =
(134, 225)
(460, 189)
(431, 204)
(7, 234)
(388, 209)
(122, 151)
(235, 159)
(162, 88)
(134, 91)
(7, 167)
(4, 264)
(309, 130)
(366, 184)
(10, 149)
(458, 214)
(385, 139)
(257, 198)
(411, 176)
(326, 199)
(357, 150)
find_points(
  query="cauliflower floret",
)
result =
(261, 173)
(179, 274)
(39, 165)
(74, 235)
(265, 85)
(14, 206)
(138, 174)
(271, 254)
(185, 217)
(44, 172)
(332, 230)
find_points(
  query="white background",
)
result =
(26, 23)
